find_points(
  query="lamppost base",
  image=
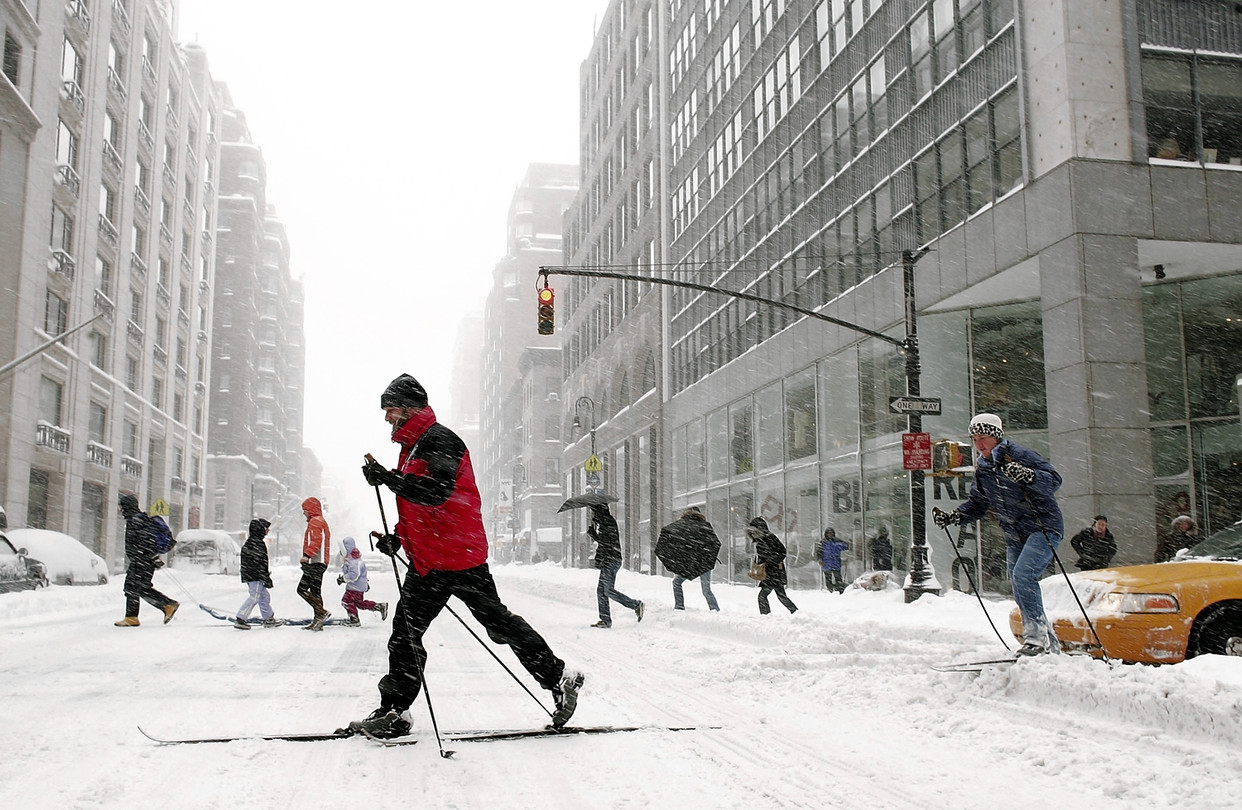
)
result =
(915, 591)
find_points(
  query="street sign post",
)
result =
(916, 451)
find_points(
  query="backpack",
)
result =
(163, 535)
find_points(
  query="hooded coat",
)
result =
(353, 569)
(316, 542)
(254, 565)
(769, 550)
(139, 535)
(438, 503)
(607, 537)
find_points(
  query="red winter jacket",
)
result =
(315, 541)
(440, 513)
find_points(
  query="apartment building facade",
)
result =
(110, 139)
(1070, 170)
(517, 462)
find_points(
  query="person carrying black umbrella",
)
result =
(603, 530)
(688, 547)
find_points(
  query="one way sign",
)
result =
(923, 405)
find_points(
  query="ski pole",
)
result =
(973, 587)
(422, 675)
(492, 653)
(1026, 494)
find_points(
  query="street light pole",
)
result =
(918, 577)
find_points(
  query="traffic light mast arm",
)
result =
(546, 271)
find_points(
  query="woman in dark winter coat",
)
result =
(604, 532)
(257, 576)
(770, 551)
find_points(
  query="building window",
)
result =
(55, 314)
(1194, 108)
(99, 350)
(1007, 362)
(97, 424)
(94, 504)
(103, 275)
(36, 510)
(62, 230)
(800, 411)
(50, 392)
(132, 372)
(12, 59)
(551, 472)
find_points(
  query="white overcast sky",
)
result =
(395, 133)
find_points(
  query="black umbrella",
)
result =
(588, 499)
(688, 555)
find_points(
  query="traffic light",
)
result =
(547, 312)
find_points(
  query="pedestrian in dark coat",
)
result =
(1095, 545)
(685, 541)
(603, 530)
(770, 551)
(141, 561)
(882, 550)
(441, 531)
(1184, 533)
(257, 575)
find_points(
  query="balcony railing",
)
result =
(52, 437)
(161, 294)
(71, 93)
(61, 262)
(68, 178)
(138, 267)
(160, 354)
(104, 305)
(165, 236)
(145, 136)
(170, 178)
(196, 491)
(76, 9)
(134, 332)
(120, 19)
(107, 230)
(148, 71)
(116, 85)
(174, 123)
(131, 467)
(98, 455)
(142, 202)
(111, 157)
(177, 484)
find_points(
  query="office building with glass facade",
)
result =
(1072, 171)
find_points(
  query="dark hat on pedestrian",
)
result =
(128, 503)
(1101, 517)
(759, 524)
(987, 424)
(404, 392)
(259, 527)
(694, 513)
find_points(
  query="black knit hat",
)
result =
(404, 392)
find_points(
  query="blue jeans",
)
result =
(679, 601)
(1026, 565)
(607, 589)
(258, 596)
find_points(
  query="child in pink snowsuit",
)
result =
(354, 578)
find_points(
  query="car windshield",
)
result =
(1224, 545)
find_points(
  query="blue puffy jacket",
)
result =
(1022, 510)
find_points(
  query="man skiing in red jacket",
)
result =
(440, 528)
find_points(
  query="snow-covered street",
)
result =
(835, 706)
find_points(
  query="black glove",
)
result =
(943, 518)
(340, 580)
(374, 472)
(1018, 474)
(268, 583)
(388, 545)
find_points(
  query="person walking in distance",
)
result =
(316, 551)
(1018, 485)
(1095, 545)
(603, 530)
(141, 560)
(770, 551)
(690, 543)
(257, 575)
(354, 578)
(828, 550)
(440, 529)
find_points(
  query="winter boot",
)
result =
(241, 624)
(382, 607)
(565, 694)
(169, 610)
(1031, 649)
(317, 622)
(128, 621)
(352, 621)
(382, 723)
(638, 611)
(603, 624)
(273, 622)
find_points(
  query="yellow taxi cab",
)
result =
(1154, 614)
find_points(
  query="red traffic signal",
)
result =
(547, 312)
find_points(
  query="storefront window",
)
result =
(881, 375)
(695, 463)
(717, 446)
(1008, 364)
(800, 415)
(1162, 334)
(677, 457)
(769, 411)
(839, 421)
(742, 438)
(1212, 324)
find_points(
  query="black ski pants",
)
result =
(422, 599)
(138, 586)
(310, 585)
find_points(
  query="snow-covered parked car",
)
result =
(209, 551)
(65, 560)
(17, 571)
